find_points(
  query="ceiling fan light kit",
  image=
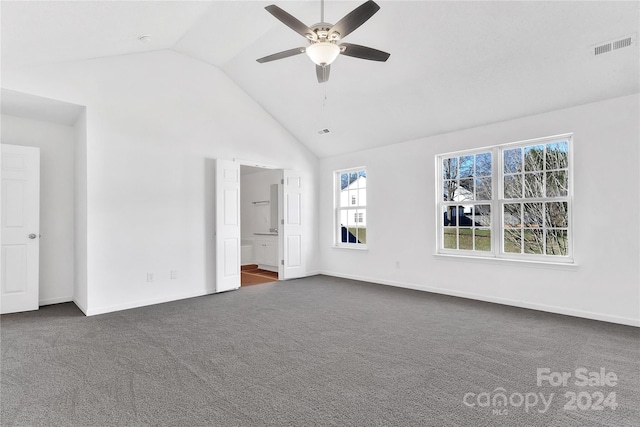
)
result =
(323, 38)
(323, 53)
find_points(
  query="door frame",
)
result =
(269, 167)
(266, 166)
(281, 216)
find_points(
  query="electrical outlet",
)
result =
(149, 277)
(174, 274)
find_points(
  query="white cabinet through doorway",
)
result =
(265, 250)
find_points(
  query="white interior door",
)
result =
(20, 228)
(227, 225)
(291, 233)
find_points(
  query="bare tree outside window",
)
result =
(467, 187)
(533, 204)
(534, 175)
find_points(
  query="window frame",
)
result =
(498, 201)
(441, 203)
(338, 208)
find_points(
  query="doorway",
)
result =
(259, 213)
(287, 238)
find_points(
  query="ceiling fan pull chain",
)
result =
(324, 101)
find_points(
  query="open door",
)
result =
(291, 231)
(20, 228)
(227, 225)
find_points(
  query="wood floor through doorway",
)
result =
(252, 275)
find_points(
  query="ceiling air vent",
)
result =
(613, 45)
(323, 131)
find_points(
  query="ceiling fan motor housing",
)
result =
(321, 31)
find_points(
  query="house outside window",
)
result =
(351, 208)
(507, 201)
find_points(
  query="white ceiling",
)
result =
(453, 65)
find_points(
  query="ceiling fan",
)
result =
(323, 38)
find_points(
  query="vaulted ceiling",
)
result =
(453, 65)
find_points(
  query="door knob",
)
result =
(32, 236)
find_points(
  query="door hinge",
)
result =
(282, 181)
(282, 221)
(282, 261)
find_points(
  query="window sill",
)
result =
(352, 248)
(569, 266)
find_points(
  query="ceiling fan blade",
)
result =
(354, 19)
(363, 52)
(280, 55)
(291, 22)
(323, 73)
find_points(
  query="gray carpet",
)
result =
(315, 351)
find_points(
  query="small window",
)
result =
(351, 208)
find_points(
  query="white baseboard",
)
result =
(57, 300)
(515, 303)
(143, 303)
(306, 274)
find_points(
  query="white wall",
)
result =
(56, 143)
(256, 218)
(152, 122)
(605, 283)
(80, 214)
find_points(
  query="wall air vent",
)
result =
(614, 45)
(622, 43)
(603, 48)
(324, 131)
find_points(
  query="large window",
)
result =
(510, 201)
(351, 208)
